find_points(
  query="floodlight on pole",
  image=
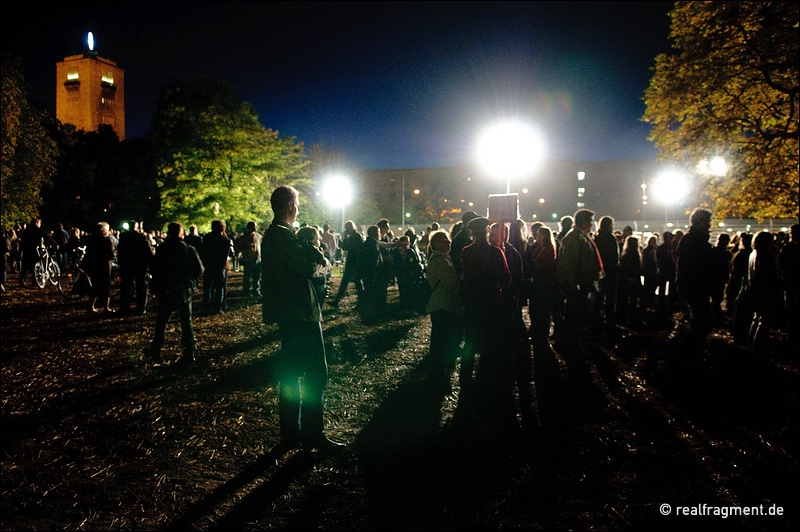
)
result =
(337, 193)
(669, 188)
(510, 150)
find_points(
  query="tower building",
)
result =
(90, 91)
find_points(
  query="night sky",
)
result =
(387, 84)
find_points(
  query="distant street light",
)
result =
(510, 150)
(337, 193)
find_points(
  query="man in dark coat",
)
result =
(217, 247)
(134, 255)
(291, 301)
(351, 244)
(694, 273)
(175, 267)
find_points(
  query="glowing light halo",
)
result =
(90, 41)
(337, 191)
(670, 187)
(510, 149)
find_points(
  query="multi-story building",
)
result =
(90, 91)
(423, 195)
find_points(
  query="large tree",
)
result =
(28, 153)
(731, 90)
(215, 160)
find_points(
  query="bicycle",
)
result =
(46, 269)
(74, 282)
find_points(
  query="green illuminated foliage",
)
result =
(28, 153)
(731, 89)
(215, 160)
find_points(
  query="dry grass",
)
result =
(94, 438)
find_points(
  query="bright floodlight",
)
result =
(337, 191)
(510, 150)
(670, 187)
(90, 41)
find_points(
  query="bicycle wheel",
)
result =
(53, 272)
(69, 283)
(40, 274)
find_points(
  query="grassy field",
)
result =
(95, 438)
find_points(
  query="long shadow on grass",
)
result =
(257, 500)
(101, 390)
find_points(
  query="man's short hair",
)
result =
(699, 215)
(583, 216)
(174, 230)
(281, 197)
(383, 222)
(218, 226)
(606, 223)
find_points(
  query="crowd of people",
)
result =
(474, 280)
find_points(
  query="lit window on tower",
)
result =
(72, 73)
(108, 77)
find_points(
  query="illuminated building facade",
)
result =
(90, 91)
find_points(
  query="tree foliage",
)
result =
(215, 160)
(28, 154)
(731, 90)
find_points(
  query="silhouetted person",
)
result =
(248, 248)
(544, 290)
(176, 267)
(485, 275)
(291, 302)
(373, 278)
(649, 271)
(31, 239)
(445, 308)
(97, 264)
(216, 250)
(789, 263)
(695, 270)
(738, 302)
(134, 255)
(565, 224)
(408, 267)
(311, 235)
(351, 244)
(578, 270)
(608, 287)
(722, 270)
(666, 272)
(461, 238)
(630, 282)
(517, 365)
(766, 289)
(61, 237)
